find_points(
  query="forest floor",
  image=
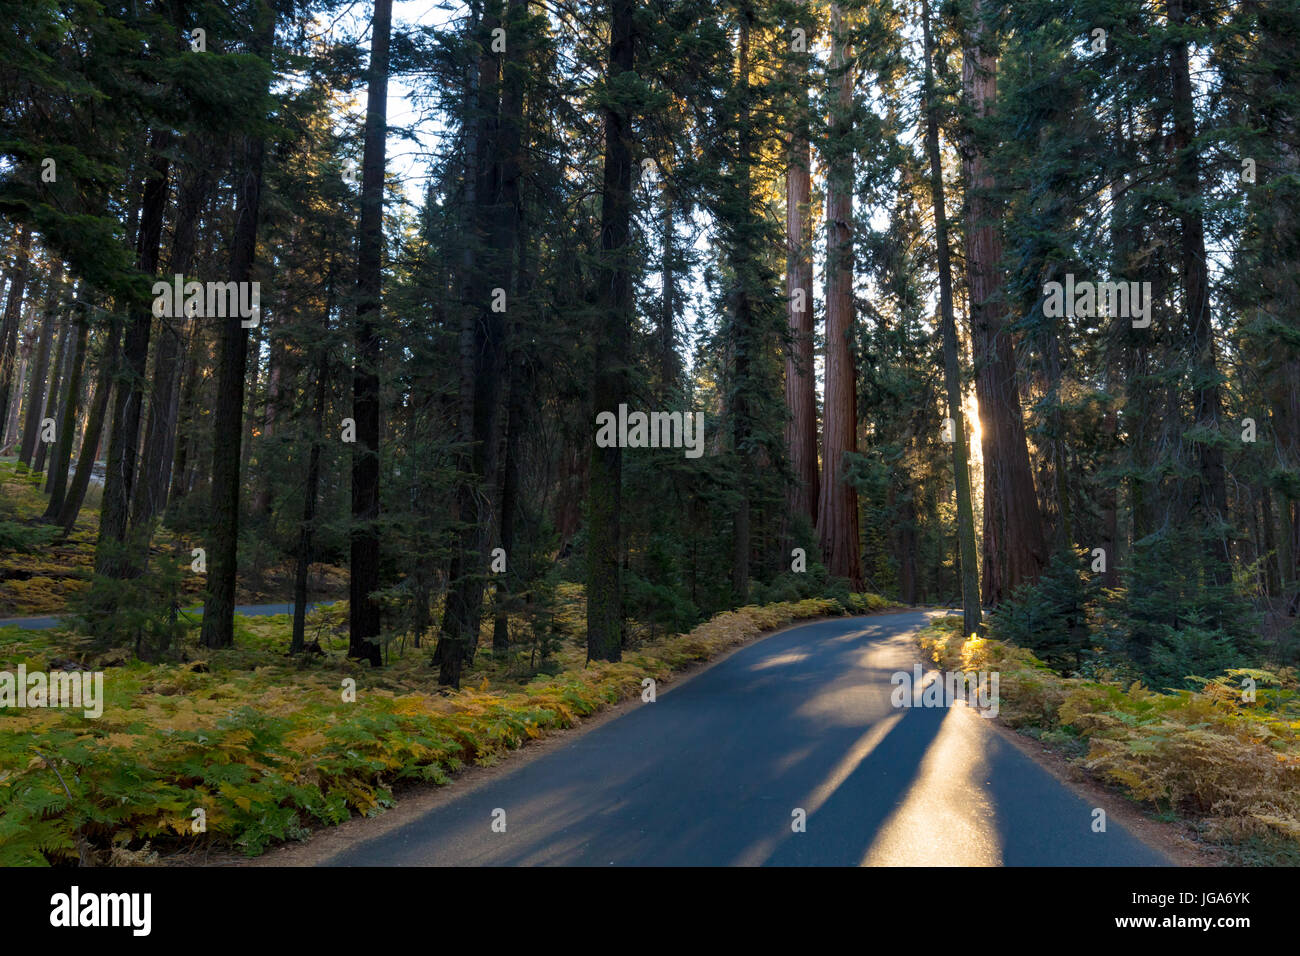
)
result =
(39, 576)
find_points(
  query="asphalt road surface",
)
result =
(713, 772)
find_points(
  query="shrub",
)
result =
(1050, 616)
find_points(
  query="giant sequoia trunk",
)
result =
(1014, 549)
(800, 374)
(615, 315)
(837, 507)
(227, 415)
(951, 365)
(1213, 499)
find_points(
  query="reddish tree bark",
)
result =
(1014, 549)
(837, 509)
(800, 374)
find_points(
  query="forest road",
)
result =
(716, 770)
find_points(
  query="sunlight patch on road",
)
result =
(793, 759)
(849, 763)
(757, 854)
(854, 635)
(780, 660)
(945, 819)
(856, 697)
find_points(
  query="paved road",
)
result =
(711, 772)
(249, 610)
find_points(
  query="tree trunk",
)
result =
(27, 331)
(70, 507)
(41, 367)
(363, 616)
(190, 379)
(150, 493)
(252, 381)
(1014, 549)
(58, 376)
(800, 370)
(111, 556)
(837, 506)
(509, 495)
(669, 367)
(9, 325)
(907, 576)
(507, 241)
(227, 415)
(459, 606)
(271, 408)
(1213, 492)
(971, 615)
(56, 482)
(308, 527)
(744, 334)
(615, 316)
(496, 206)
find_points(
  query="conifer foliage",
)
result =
(959, 301)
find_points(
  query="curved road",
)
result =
(712, 772)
